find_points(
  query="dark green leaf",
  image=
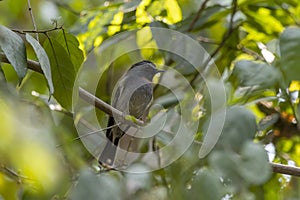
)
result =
(91, 186)
(225, 163)
(239, 127)
(43, 59)
(289, 43)
(63, 72)
(268, 121)
(255, 74)
(71, 45)
(255, 161)
(14, 48)
(206, 185)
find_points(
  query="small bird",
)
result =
(133, 96)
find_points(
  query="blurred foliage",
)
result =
(254, 44)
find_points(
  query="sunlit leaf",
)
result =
(294, 86)
(115, 24)
(43, 60)
(174, 13)
(43, 173)
(14, 49)
(142, 16)
(8, 188)
(146, 43)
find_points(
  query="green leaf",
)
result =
(255, 161)
(63, 72)
(14, 48)
(255, 74)
(174, 14)
(289, 44)
(239, 127)
(43, 59)
(268, 121)
(91, 186)
(206, 185)
(70, 43)
(225, 163)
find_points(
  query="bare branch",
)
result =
(38, 31)
(88, 134)
(285, 169)
(198, 15)
(250, 52)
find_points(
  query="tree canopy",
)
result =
(225, 117)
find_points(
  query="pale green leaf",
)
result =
(43, 59)
(14, 48)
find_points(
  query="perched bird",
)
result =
(133, 96)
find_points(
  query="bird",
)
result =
(133, 95)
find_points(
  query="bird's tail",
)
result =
(107, 156)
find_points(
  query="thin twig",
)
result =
(206, 40)
(225, 38)
(38, 31)
(285, 169)
(18, 177)
(230, 30)
(201, 9)
(88, 134)
(250, 52)
(32, 19)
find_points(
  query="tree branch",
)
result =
(285, 169)
(85, 95)
(222, 43)
(38, 31)
(108, 109)
(201, 9)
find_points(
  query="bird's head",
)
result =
(145, 69)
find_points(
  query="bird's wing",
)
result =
(140, 101)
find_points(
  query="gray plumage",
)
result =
(133, 95)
